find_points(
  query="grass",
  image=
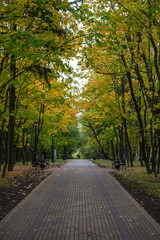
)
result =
(8, 181)
(60, 161)
(103, 163)
(5, 183)
(136, 177)
(19, 170)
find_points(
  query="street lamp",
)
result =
(52, 147)
(35, 146)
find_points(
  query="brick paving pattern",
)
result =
(79, 202)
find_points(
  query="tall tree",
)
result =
(37, 38)
(120, 32)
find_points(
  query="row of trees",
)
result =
(37, 39)
(121, 102)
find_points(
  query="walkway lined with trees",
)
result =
(117, 42)
(115, 115)
(79, 201)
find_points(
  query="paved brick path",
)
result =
(79, 202)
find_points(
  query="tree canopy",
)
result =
(38, 38)
(122, 97)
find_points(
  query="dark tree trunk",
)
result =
(3, 136)
(141, 127)
(1, 149)
(106, 156)
(140, 155)
(11, 126)
(117, 145)
(113, 151)
(127, 142)
(121, 137)
(23, 147)
(6, 156)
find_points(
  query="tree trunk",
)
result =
(158, 165)
(3, 136)
(127, 142)
(6, 157)
(113, 151)
(141, 127)
(120, 130)
(99, 143)
(117, 145)
(140, 155)
(11, 126)
(1, 149)
(23, 147)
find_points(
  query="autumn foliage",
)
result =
(37, 42)
(121, 99)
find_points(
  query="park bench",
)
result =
(42, 165)
(118, 165)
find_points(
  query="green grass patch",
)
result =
(137, 177)
(60, 161)
(103, 163)
(4, 183)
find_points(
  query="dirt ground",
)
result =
(24, 184)
(11, 196)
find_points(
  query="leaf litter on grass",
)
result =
(17, 185)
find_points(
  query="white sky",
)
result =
(81, 81)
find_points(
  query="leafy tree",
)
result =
(37, 38)
(116, 47)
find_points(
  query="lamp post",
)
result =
(52, 147)
(35, 146)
